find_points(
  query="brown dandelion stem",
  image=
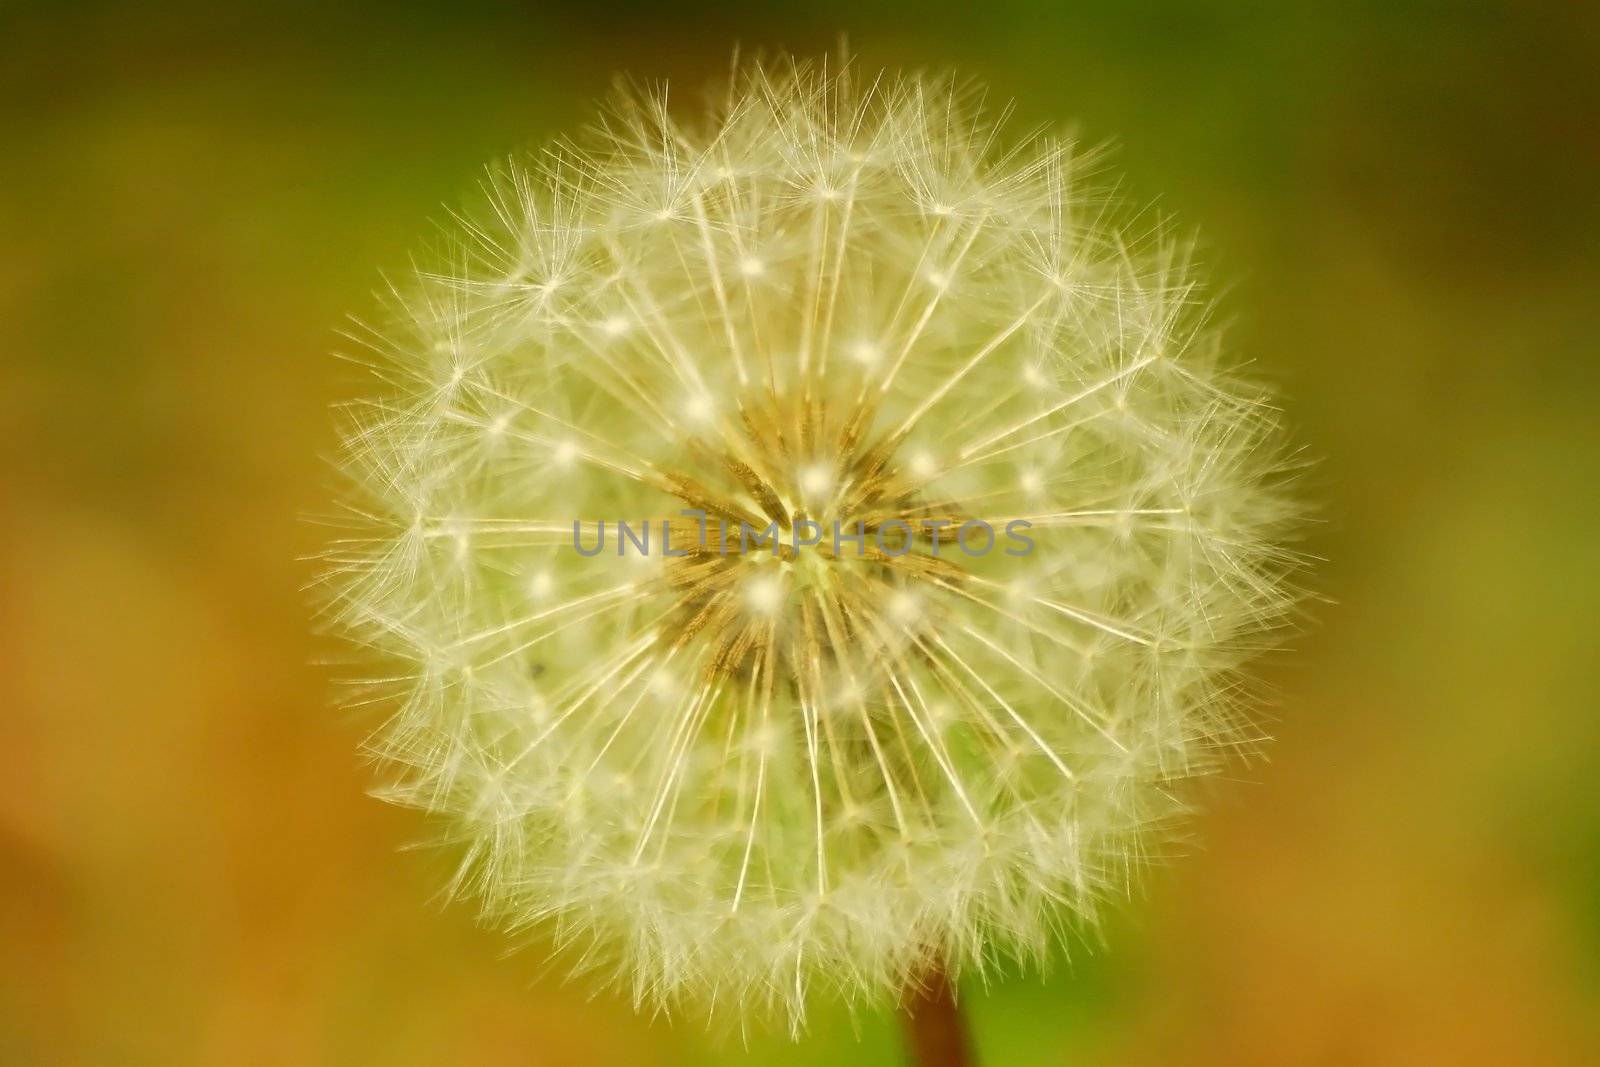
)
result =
(936, 1030)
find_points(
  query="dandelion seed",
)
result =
(699, 408)
(865, 353)
(764, 593)
(542, 586)
(923, 465)
(816, 480)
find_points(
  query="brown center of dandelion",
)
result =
(815, 546)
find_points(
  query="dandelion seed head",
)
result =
(741, 774)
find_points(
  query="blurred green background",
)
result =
(1405, 203)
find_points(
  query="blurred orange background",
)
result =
(1405, 200)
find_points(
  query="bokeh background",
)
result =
(1404, 202)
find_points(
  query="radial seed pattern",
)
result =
(735, 775)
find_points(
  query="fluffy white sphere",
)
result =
(829, 307)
